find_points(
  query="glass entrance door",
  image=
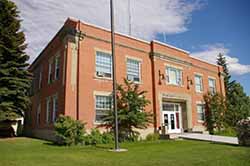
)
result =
(171, 118)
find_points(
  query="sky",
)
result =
(205, 28)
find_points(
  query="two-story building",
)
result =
(73, 76)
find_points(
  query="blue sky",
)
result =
(205, 28)
(221, 23)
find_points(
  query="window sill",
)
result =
(174, 85)
(135, 82)
(199, 92)
(103, 78)
(200, 121)
(98, 123)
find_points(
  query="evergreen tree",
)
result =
(238, 105)
(221, 60)
(237, 101)
(14, 77)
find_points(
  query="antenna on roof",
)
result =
(129, 18)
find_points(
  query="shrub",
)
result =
(152, 137)
(96, 137)
(107, 138)
(69, 131)
(243, 132)
(228, 131)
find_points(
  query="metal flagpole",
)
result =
(114, 74)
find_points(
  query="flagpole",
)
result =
(114, 74)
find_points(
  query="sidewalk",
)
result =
(211, 138)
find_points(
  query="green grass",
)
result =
(30, 152)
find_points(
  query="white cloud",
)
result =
(210, 53)
(43, 18)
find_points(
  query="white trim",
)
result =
(108, 30)
(55, 97)
(168, 45)
(103, 93)
(102, 50)
(200, 102)
(211, 77)
(110, 54)
(99, 93)
(48, 111)
(50, 72)
(199, 74)
(167, 81)
(134, 58)
(140, 68)
(202, 83)
(40, 78)
(203, 60)
(173, 66)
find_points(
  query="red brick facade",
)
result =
(76, 46)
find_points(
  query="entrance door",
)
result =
(171, 119)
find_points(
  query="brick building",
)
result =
(73, 76)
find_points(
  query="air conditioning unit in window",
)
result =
(99, 74)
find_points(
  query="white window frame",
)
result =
(57, 66)
(38, 114)
(202, 113)
(40, 79)
(168, 79)
(139, 68)
(55, 108)
(214, 85)
(101, 109)
(102, 74)
(50, 76)
(199, 84)
(48, 111)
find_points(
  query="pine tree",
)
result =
(221, 60)
(238, 104)
(236, 100)
(14, 77)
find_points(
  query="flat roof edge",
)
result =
(203, 60)
(168, 45)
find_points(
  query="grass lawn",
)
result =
(34, 152)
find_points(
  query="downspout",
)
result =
(154, 85)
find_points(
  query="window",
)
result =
(57, 67)
(55, 108)
(174, 76)
(103, 64)
(211, 85)
(40, 80)
(38, 114)
(48, 111)
(50, 73)
(166, 106)
(133, 70)
(200, 112)
(102, 105)
(198, 83)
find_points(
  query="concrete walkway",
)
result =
(211, 138)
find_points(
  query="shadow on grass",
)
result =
(98, 146)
